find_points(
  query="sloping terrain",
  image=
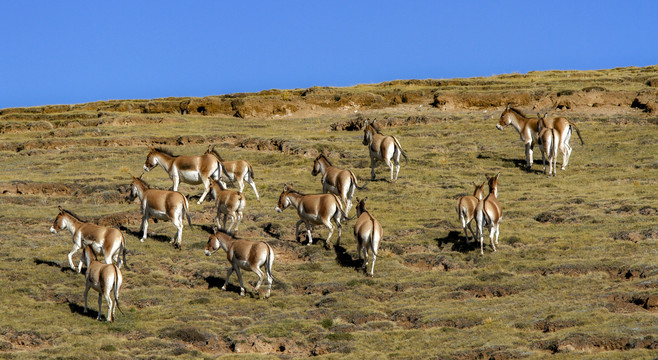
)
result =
(576, 272)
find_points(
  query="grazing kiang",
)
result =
(104, 278)
(160, 205)
(192, 170)
(528, 130)
(368, 234)
(246, 255)
(382, 148)
(229, 203)
(236, 170)
(107, 241)
(549, 140)
(313, 209)
(466, 208)
(336, 181)
(489, 213)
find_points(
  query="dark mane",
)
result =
(372, 124)
(518, 112)
(72, 214)
(165, 151)
(148, 186)
(214, 152)
(325, 159)
(291, 190)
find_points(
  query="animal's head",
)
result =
(151, 161)
(505, 117)
(284, 202)
(368, 131)
(211, 150)
(212, 245)
(136, 185)
(541, 121)
(360, 206)
(478, 192)
(317, 166)
(493, 183)
(59, 223)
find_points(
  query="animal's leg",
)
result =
(390, 165)
(108, 299)
(237, 270)
(86, 293)
(260, 276)
(224, 221)
(472, 233)
(239, 215)
(100, 303)
(372, 168)
(497, 232)
(297, 229)
(217, 221)
(348, 198)
(308, 232)
(566, 155)
(372, 263)
(359, 247)
(269, 283)
(543, 161)
(228, 274)
(76, 247)
(175, 179)
(233, 219)
(397, 164)
(253, 186)
(145, 226)
(331, 231)
(206, 189)
(179, 231)
(492, 233)
(528, 156)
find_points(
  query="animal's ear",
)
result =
(545, 114)
(539, 116)
(215, 229)
(497, 175)
(140, 176)
(60, 208)
(508, 106)
(285, 187)
(364, 199)
(474, 184)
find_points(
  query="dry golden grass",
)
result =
(575, 275)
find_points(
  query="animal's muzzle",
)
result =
(499, 127)
(278, 209)
(146, 168)
(208, 253)
(52, 230)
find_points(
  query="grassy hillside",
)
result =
(576, 273)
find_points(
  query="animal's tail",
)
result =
(555, 144)
(116, 289)
(270, 261)
(397, 144)
(340, 208)
(186, 207)
(251, 172)
(123, 251)
(577, 132)
(355, 182)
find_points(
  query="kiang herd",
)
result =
(332, 205)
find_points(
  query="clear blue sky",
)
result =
(65, 52)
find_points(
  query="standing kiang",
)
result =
(192, 170)
(104, 278)
(336, 181)
(160, 205)
(368, 233)
(236, 170)
(108, 241)
(528, 130)
(489, 213)
(382, 148)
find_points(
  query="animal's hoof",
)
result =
(198, 202)
(85, 311)
(242, 293)
(141, 240)
(224, 288)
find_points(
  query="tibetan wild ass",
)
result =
(489, 212)
(229, 203)
(383, 148)
(239, 170)
(104, 278)
(244, 254)
(466, 208)
(336, 181)
(108, 241)
(368, 233)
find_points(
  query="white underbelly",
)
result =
(190, 177)
(156, 214)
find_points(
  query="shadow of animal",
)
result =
(344, 259)
(217, 282)
(80, 310)
(520, 163)
(138, 234)
(458, 242)
(53, 264)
